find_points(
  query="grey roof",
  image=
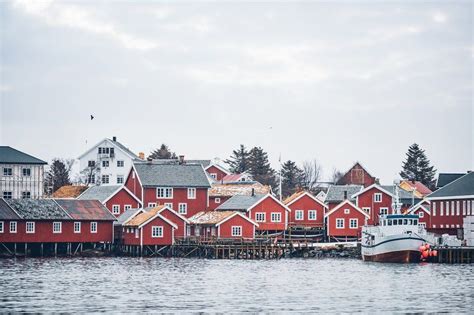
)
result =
(170, 175)
(125, 216)
(6, 212)
(240, 202)
(100, 193)
(463, 186)
(336, 192)
(124, 148)
(204, 163)
(405, 196)
(39, 209)
(8, 155)
(446, 178)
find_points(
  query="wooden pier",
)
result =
(453, 255)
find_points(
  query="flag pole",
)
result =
(281, 192)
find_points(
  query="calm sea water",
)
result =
(159, 285)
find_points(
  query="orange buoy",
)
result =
(422, 248)
(435, 253)
(427, 246)
(425, 254)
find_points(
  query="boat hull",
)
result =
(401, 248)
(404, 256)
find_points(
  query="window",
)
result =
(30, 227)
(90, 163)
(156, 231)
(13, 227)
(236, 231)
(377, 197)
(116, 209)
(165, 193)
(423, 224)
(464, 207)
(339, 223)
(7, 171)
(347, 211)
(120, 179)
(260, 216)
(434, 208)
(57, 227)
(421, 214)
(151, 204)
(25, 195)
(120, 163)
(105, 179)
(77, 227)
(299, 215)
(276, 217)
(127, 207)
(105, 163)
(7, 195)
(91, 179)
(217, 200)
(1, 226)
(93, 227)
(183, 208)
(191, 193)
(26, 171)
(312, 215)
(366, 210)
(213, 176)
(452, 207)
(441, 210)
(353, 223)
(457, 207)
(105, 150)
(447, 207)
(136, 232)
(197, 231)
(169, 205)
(383, 211)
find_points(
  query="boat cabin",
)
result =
(394, 220)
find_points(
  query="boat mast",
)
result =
(396, 204)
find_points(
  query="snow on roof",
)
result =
(210, 217)
(144, 216)
(228, 190)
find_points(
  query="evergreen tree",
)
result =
(260, 167)
(58, 175)
(417, 167)
(163, 153)
(291, 178)
(239, 160)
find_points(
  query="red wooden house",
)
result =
(222, 225)
(266, 210)
(345, 221)
(149, 228)
(116, 198)
(215, 171)
(338, 193)
(220, 193)
(422, 209)
(306, 210)
(451, 204)
(182, 187)
(377, 199)
(357, 175)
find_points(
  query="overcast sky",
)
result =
(340, 82)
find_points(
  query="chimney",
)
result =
(149, 160)
(114, 138)
(253, 192)
(345, 194)
(181, 159)
(141, 155)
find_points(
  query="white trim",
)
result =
(118, 190)
(309, 195)
(195, 193)
(271, 217)
(218, 167)
(315, 215)
(357, 221)
(232, 230)
(343, 223)
(185, 206)
(26, 227)
(60, 227)
(74, 227)
(164, 189)
(450, 197)
(264, 217)
(296, 215)
(344, 203)
(110, 141)
(158, 227)
(376, 186)
(2, 224)
(265, 197)
(419, 205)
(175, 213)
(233, 215)
(158, 215)
(15, 223)
(94, 223)
(113, 209)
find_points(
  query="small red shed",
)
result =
(116, 198)
(422, 209)
(345, 220)
(306, 210)
(209, 225)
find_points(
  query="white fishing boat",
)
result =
(397, 238)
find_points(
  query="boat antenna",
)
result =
(396, 204)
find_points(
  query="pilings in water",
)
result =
(453, 255)
(64, 249)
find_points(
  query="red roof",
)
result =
(232, 178)
(85, 209)
(420, 187)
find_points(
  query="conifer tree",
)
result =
(239, 160)
(260, 167)
(163, 153)
(58, 175)
(417, 167)
(291, 178)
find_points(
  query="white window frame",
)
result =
(5, 172)
(274, 215)
(13, 226)
(164, 193)
(5, 193)
(26, 192)
(441, 208)
(105, 181)
(236, 228)
(301, 213)
(377, 200)
(122, 179)
(356, 223)
(213, 176)
(151, 204)
(94, 227)
(120, 163)
(464, 207)
(262, 214)
(157, 231)
(127, 207)
(23, 169)
(458, 207)
(77, 227)
(104, 162)
(185, 205)
(337, 225)
(57, 224)
(385, 210)
(366, 210)
(192, 193)
(452, 207)
(421, 214)
(347, 211)
(30, 227)
(116, 209)
(434, 208)
(2, 226)
(217, 200)
(169, 205)
(310, 218)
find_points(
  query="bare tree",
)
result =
(336, 176)
(312, 172)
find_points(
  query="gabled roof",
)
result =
(218, 167)
(127, 215)
(175, 213)
(145, 217)
(38, 209)
(346, 202)
(101, 193)
(424, 205)
(352, 167)
(216, 217)
(241, 202)
(461, 187)
(116, 144)
(204, 163)
(69, 191)
(446, 178)
(85, 210)
(405, 197)
(228, 190)
(419, 186)
(6, 212)
(298, 195)
(336, 192)
(170, 175)
(8, 155)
